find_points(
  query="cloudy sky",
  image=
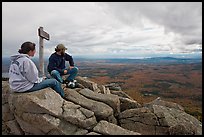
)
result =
(118, 29)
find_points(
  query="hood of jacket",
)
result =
(17, 56)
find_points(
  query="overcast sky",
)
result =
(118, 29)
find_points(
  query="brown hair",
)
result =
(26, 47)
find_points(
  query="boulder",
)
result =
(113, 86)
(101, 110)
(103, 89)
(106, 128)
(121, 94)
(78, 115)
(160, 120)
(126, 103)
(7, 115)
(5, 92)
(88, 84)
(159, 101)
(171, 117)
(181, 129)
(14, 127)
(45, 112)
(91, 112)
(93, 133)
(42, 101)
(111, 100)
(140, 120)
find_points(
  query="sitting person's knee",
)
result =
(54, 72)
(75, 69)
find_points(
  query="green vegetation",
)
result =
(150, 86)
(196, 114)
(153, 92)
(164, 85)
(168, 81)
(197, 67)
(188, 85)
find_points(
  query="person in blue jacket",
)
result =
(57, 68)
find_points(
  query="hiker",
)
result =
(23, 73)
(56, 66)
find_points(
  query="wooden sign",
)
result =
(43, 34)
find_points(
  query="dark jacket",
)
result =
(57, 62)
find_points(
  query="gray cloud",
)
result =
(104, 28)
(184, 18)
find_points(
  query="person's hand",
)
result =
(65, 71)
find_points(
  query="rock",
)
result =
(28, 128)
(111, 100)
(66, 128)
(180, 129)
(112, 119)
(7, 115)
(171, 117)
(87, 84)
(93, 133)
(107, 128)
(49, 113)
(91, 112)
(160, 102)
(5, 129)
(103, 89)
(5, 92)
(172, 114)
(14, 127)
(42, 123)
(140, 120)
(121, 94)
(114, 86)
(101, 110)
(78, 85)
(43, 101)
(126, 103)
(159, 120)
(79, 116)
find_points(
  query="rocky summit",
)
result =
(91, 109)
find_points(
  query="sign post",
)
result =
(42, 35)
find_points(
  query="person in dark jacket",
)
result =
(56, 66)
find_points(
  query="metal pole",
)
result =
(41, 54)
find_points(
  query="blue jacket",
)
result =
(57, 62)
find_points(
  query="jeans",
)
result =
(72, 74)
(53, 83)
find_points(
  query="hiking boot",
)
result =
(70, 85)
(74, 81)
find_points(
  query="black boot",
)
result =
(71, 84)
